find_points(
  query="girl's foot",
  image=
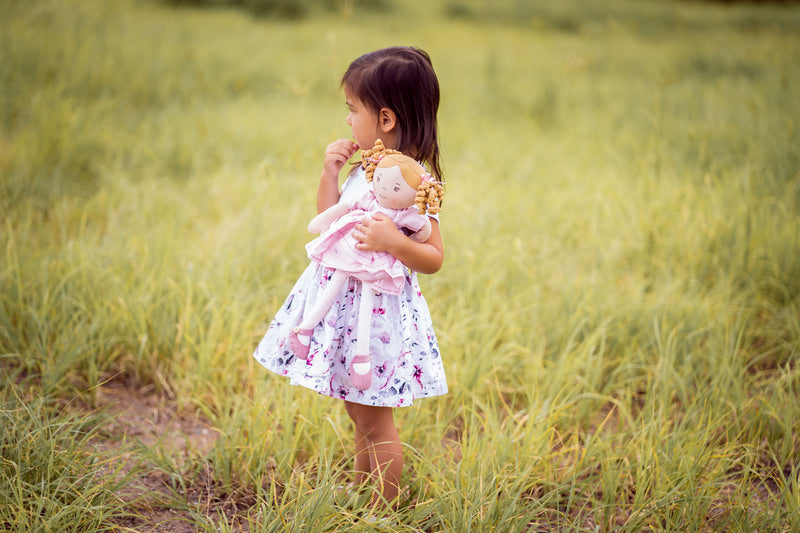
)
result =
(380, 521)
(361, 371)
(351, 494)
(296, 344)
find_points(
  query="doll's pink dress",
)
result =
(336, 247)
(406, 363)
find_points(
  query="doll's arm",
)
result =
(321, 222)
(423, 233)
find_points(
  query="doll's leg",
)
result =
(300, 337)
(361, 365)
(365, 310)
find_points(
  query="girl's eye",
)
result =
(397, 188)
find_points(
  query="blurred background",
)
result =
(618, 311)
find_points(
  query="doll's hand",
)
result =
(424, 233)
(336, 155)
(377, 233)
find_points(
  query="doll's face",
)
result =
(391, 189)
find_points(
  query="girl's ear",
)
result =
(387, 119)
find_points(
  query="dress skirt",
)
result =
(406, 363)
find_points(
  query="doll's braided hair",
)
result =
(370, 158)
(429, 190)
(429, 196)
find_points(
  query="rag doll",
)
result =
(402, 190)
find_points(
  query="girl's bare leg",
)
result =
(381, 454)
(361, 463)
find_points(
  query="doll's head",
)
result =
(400, 182)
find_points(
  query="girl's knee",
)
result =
(370, 419)
(351, 410)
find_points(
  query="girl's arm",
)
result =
(336, 155)
(378, 233)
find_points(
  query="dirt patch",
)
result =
(154, 421)
(141, 418)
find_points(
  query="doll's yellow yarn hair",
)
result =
(429, 191)
(370, 158)
(429, 196)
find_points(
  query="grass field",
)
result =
(619, 310)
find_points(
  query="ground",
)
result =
(138, 416)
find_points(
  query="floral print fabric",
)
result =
(406, 363)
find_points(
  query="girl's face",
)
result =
(363, 122)
(391, 189)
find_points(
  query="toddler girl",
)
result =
(392, 95)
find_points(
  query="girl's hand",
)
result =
(377, 233)
(336, 155)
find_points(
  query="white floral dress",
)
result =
(406, 363)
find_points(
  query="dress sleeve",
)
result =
(353, 187)
(410, 219)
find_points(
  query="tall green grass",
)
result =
(618, 310)
(51, 478)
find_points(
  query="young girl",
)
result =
(393, 95)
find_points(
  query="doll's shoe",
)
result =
(361, 371)
(299, 349)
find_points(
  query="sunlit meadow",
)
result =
(619, 310)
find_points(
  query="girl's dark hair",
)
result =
(402, 79)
